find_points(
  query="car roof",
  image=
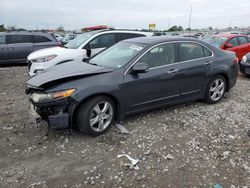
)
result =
(120, 31)
(160, 39)
(26, 33)
(228, 35)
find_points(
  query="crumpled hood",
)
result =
(56, 51)
(66, 70)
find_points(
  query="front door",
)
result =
(20, 46)
(100, 43)
(235, 47)
(157, 86)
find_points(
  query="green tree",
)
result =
(11, 28)
(180, 28)
(176, 28)
(173, 28)
(2, 28)
(61, 28)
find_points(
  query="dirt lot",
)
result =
(187, 145)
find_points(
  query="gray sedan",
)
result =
(16, 46)
(132, 76)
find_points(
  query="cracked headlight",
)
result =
(47, 97)
(43, 59)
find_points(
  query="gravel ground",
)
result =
(187, 145)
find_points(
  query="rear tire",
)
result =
(216, 89)
(94, 117)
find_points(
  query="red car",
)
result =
(240, 44)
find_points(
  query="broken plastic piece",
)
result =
(133, 161)
(122, 129)
(170, 157)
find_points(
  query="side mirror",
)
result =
(85, 59)
(88, 52)
(228, 45)
(140, 68)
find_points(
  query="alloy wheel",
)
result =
(101, 116)
(217, 89)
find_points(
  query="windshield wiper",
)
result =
(92, 63)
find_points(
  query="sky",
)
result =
(129, 14)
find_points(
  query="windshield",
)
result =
(118, 55)
(215, 40)
(79, 40)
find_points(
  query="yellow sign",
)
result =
(152, 26)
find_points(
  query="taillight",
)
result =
(236, 60)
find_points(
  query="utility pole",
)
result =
(110, 21)
(190, 16)
(169, 22)
(230, 26)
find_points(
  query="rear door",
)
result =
(194, 60)
(20, 46)
(123, 36)
(4, 53)
(42, 41)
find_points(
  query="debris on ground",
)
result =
(133, 161)
(122, 129)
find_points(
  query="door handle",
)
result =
(11, 48)
(3, 48)
(171, 71)
(208, 62)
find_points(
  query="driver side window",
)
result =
(233, 41)
(102, 41)
(159, 56)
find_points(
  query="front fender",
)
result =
(86, 94)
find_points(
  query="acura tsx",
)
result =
(129, 77)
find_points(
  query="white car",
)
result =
(84, 45)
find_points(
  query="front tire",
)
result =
(215, 90)
(95, 116)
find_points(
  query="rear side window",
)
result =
(243, 40)
(102, 41)
(39, 39)
(207, 52)
(124, 36)
(13, 39)
(189, 51)
(2, 39)
(233, 41)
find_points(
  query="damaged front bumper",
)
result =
(58, 114)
